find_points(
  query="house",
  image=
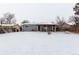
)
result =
(9, 28)
(65, 27)
(44, 27)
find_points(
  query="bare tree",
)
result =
(25, 21)
(60, 22)
(13, 21)
(74, 20)
(9, 18)
(2, 20)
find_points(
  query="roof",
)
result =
(7, 24)
(42, 23)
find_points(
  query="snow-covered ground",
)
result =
(39, 43)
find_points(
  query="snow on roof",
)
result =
(41, 23)
(70, 23)
(7, 24)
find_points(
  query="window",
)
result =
(26, 26)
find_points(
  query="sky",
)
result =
(38, 12)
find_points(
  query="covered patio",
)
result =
(47, 28)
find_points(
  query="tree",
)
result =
(76, 9)
(61, 23)
(25, 21)
(10, 18)
(74, 20)
(13, 21)
(2, 20)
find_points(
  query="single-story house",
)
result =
(9, 28)
(44, 27)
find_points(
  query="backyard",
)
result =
(39, 43)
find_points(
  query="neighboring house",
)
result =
(9, 28)
(44, 27)
(66, 27)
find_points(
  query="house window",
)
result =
(26, 26)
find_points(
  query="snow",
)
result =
(40, 23)
(39, 43)
(7, 24)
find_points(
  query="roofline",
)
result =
(38, 24)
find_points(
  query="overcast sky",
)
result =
(38, 12)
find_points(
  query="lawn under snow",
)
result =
(39, 43)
